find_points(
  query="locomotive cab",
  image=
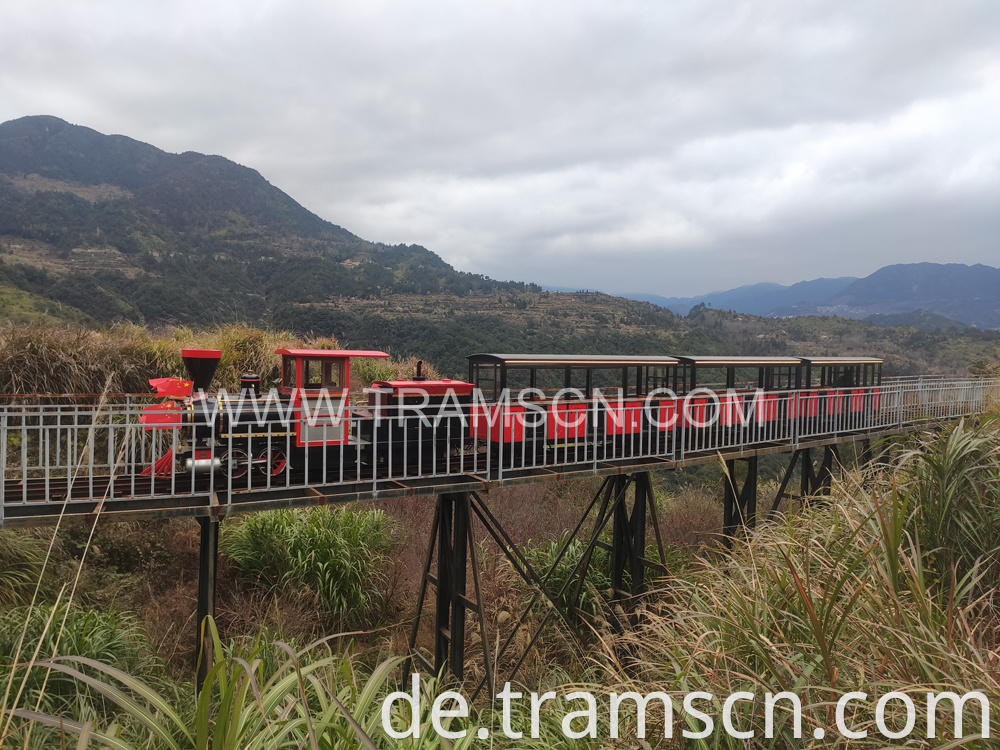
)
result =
(318, 383)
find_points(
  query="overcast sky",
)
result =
(665, 147)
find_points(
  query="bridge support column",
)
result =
(208, 561)
(739, 503)
(813, 480)
(817, 480)
(451, 538)
(628, 541)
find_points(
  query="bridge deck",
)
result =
(77, 459)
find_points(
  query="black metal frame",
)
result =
(453, 545)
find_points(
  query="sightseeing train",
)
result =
(519, 409)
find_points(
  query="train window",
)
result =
(333, 374)
(744, 377)
(312, 374)
(288, 373)
(843, 376)
(319, 373)
(656, 377)
(683, 378)
(487, 379)
(781, 379)
(517, 381)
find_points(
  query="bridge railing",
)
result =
(82, 452)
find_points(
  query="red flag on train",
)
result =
(158, 416)
(171, 387)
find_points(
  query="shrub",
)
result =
(113, 638)
(597, 581)
(339, 554)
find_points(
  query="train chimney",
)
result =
(201, 365)
(419, 376)
(250, 384)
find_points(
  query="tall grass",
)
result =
(111, 638)
(338, 554)
(274, 695)
(21, 559)
(308, 700)
(876, 592)
(952, 482)
(38, 359)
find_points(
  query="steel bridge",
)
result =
(84, 458)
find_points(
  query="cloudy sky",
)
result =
(661, 147)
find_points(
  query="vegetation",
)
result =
(21, 558)
(844, 597)
(338, 555)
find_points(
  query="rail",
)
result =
(58, 454)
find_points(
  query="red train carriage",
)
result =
(843, 393)
(731, 393)
(573, 406)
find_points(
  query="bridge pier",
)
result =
(451, 538)
(739, 503)
(813, 480)
(208, 562)
(452, 549)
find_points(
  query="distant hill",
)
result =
(924, 295)
(122, 230)
(969, 294)
(920, 319)
(756, 299)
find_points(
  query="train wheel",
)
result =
(271, 463)
(235, 464)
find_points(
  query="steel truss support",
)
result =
(813, 480)
(453, 541)
(208, 561)
(874, 454)
(739, 503)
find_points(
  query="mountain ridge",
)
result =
(948, 294)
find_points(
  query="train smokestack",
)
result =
(201, 365)
(419, 375)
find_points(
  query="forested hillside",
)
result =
(124, 231)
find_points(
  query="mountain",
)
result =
(121, 230)
(97, 229)
(968, 294)
(922, 295)
(755, 299)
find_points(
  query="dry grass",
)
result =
(37, 359)
(848, 596)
